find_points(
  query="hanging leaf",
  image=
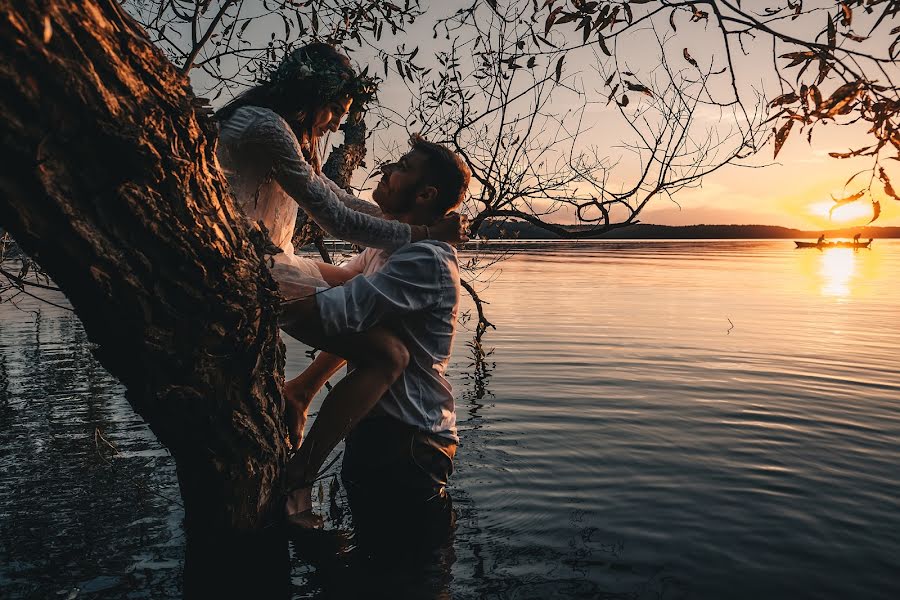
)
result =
(848, 199)
(816, 96)
(602, 42)
(848, 16)
(782, 135)
(841, 101)
(788, 98)
(888, 188)
(612, 94)
(637, 87)
(832, 34)
(797, 58)
(559, 66)
(690, 59)
(876, 210)
(551, 18)
(839, 204)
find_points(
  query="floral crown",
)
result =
(333, 81)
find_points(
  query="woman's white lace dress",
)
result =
(269, 177)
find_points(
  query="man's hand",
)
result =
(453, 229)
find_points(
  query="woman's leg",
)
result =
(299, 392)
(378, 357)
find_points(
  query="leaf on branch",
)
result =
(690, 59)
(816, 96)
(839, 202)
(848, 199)
(788, 98)
(876, 210)
(832, 34)
(848, 15)
(782, 135)
(672, 20)
(612, 94)
(797, 58)
(531, 62)
(841, 101)
(551, 18)
(624, 102)
(602, 41)
(888, 188)
(559, 66)
(637, 87)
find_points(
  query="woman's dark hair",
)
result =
(307, 79)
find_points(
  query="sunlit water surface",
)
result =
(716, 419)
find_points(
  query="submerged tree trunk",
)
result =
(109, 180)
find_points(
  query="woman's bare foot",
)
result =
(297, 400)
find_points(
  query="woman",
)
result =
(268, 144)
(268, 150)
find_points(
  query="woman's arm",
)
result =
(335, 275)
(270, 138)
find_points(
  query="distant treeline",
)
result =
(526, 231)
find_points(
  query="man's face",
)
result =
(400, 182)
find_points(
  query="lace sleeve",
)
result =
(351, 201)
(271, 136)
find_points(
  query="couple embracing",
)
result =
(389, 313)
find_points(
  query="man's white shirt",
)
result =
(416, 290)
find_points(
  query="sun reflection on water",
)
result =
(837, 268)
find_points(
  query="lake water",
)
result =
(714, 419)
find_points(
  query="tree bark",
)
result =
(110, 181)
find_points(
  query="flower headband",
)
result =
(334, 81)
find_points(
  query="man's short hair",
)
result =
(446, 171)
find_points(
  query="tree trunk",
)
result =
(110, 181)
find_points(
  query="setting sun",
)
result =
(856, 211)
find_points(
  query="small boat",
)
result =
(823, 245)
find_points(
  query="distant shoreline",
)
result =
(526, 231)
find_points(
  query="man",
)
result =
(403, 450)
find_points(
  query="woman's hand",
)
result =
(453, 229)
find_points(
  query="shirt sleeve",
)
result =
(271, 138)
(410, 281)
(351, 201)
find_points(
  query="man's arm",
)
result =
(410, 281)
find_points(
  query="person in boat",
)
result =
(397, 458)
(821, 240)
(856, 239)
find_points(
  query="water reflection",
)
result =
(839, 273)
(383, 549)
(837, 268)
